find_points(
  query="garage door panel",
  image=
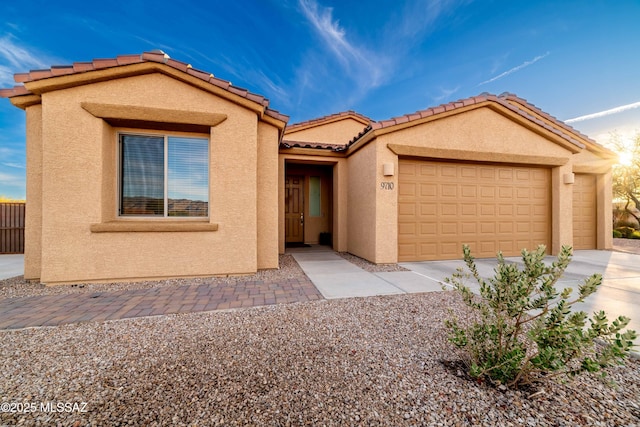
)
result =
(407, 229)
(449, 209)
(487, 228)
(449, 190)
(447, 171)
(470, 210)
(469, 228)
(408, 190)
(489, 207)
(488, 247)
(406, 209)
(585, 212)
(487, 192)
(505, 227)
(428, 190)
(486, 210)
(505, 192)
(449, 228)
(507, 246)
(449, 250)
(428, 210)
(428, 229)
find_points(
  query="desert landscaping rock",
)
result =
(361, 361)
(369, 266)
(627, 245)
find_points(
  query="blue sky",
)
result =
(573, 59)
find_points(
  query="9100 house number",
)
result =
(386, 185)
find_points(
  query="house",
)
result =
(142, 167)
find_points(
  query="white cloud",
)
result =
(11, 179)
(330, 30)
(420, 17)
(514, 69)
(364, 68)
(15, 58)
(604, 113)
(445, 93)
(14, 165)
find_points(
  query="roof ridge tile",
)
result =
(329, 117)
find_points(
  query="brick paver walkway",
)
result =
(52, 310)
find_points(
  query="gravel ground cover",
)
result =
(369, 266)
(18, 287)
(627, 245)
(362, 361)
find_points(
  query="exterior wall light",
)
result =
(569, 178)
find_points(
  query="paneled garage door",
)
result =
(443, 205)
(584, 212)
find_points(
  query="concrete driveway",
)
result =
(11, 265)
(618, 295)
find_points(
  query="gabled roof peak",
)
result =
(329, 118)
(156, 55)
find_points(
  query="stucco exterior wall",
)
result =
(80, 189)
(386, 189)
(481, 130)
(604, 215)
(267, 174)
(338, 132)
(561, 209)
(363, 203)
(33, 211)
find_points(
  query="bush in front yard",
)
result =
(625, 232)
(524, 329)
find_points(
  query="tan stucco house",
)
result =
(142, 167)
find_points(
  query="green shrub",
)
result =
(524, 330)
(626, 232)
(635, 235)
(617, 234)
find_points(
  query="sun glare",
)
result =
(626, 158)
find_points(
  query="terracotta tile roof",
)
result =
(503, 100)
(14, 91)
(513, 97)
(343, 114)
(316, 145)
(152, 56)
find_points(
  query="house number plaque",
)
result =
(386, 185)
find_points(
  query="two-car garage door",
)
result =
(443, 205)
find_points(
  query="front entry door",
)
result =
(294, 209)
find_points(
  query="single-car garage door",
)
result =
(442, 206)
(584, 212)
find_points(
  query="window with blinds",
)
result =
(164, 176)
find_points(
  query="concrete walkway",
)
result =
(335, 277)
(618, 295)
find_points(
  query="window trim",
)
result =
(157, 218)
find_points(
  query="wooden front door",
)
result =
(294, 209)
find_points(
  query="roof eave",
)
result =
(24, 101)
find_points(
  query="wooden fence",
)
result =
(12, 228)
